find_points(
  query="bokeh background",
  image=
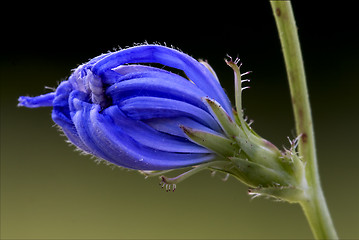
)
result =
(49, 191)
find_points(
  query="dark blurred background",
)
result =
(48, 191)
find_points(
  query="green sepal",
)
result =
(286, 193)
(218, 144)
(228, 125)
(254, 174)
(260, 150)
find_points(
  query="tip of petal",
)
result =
(35, 102)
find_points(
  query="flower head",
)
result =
(141, 117)
(117, 108)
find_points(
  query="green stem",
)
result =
(315, 206)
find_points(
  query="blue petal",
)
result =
(147, 136)
(61, 115)
(163, 85)
(80, 110)
(61, 111)
(172, 125)
(35, 102)
(198, 73)
(152, 107)
(107, 140)
(124, 70)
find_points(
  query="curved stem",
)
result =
(315, 207)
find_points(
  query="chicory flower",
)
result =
(117, 108)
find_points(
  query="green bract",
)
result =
(243, 154)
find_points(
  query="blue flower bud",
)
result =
(117, 108)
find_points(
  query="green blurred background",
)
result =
(49, 191)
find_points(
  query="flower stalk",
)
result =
(314, 205)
